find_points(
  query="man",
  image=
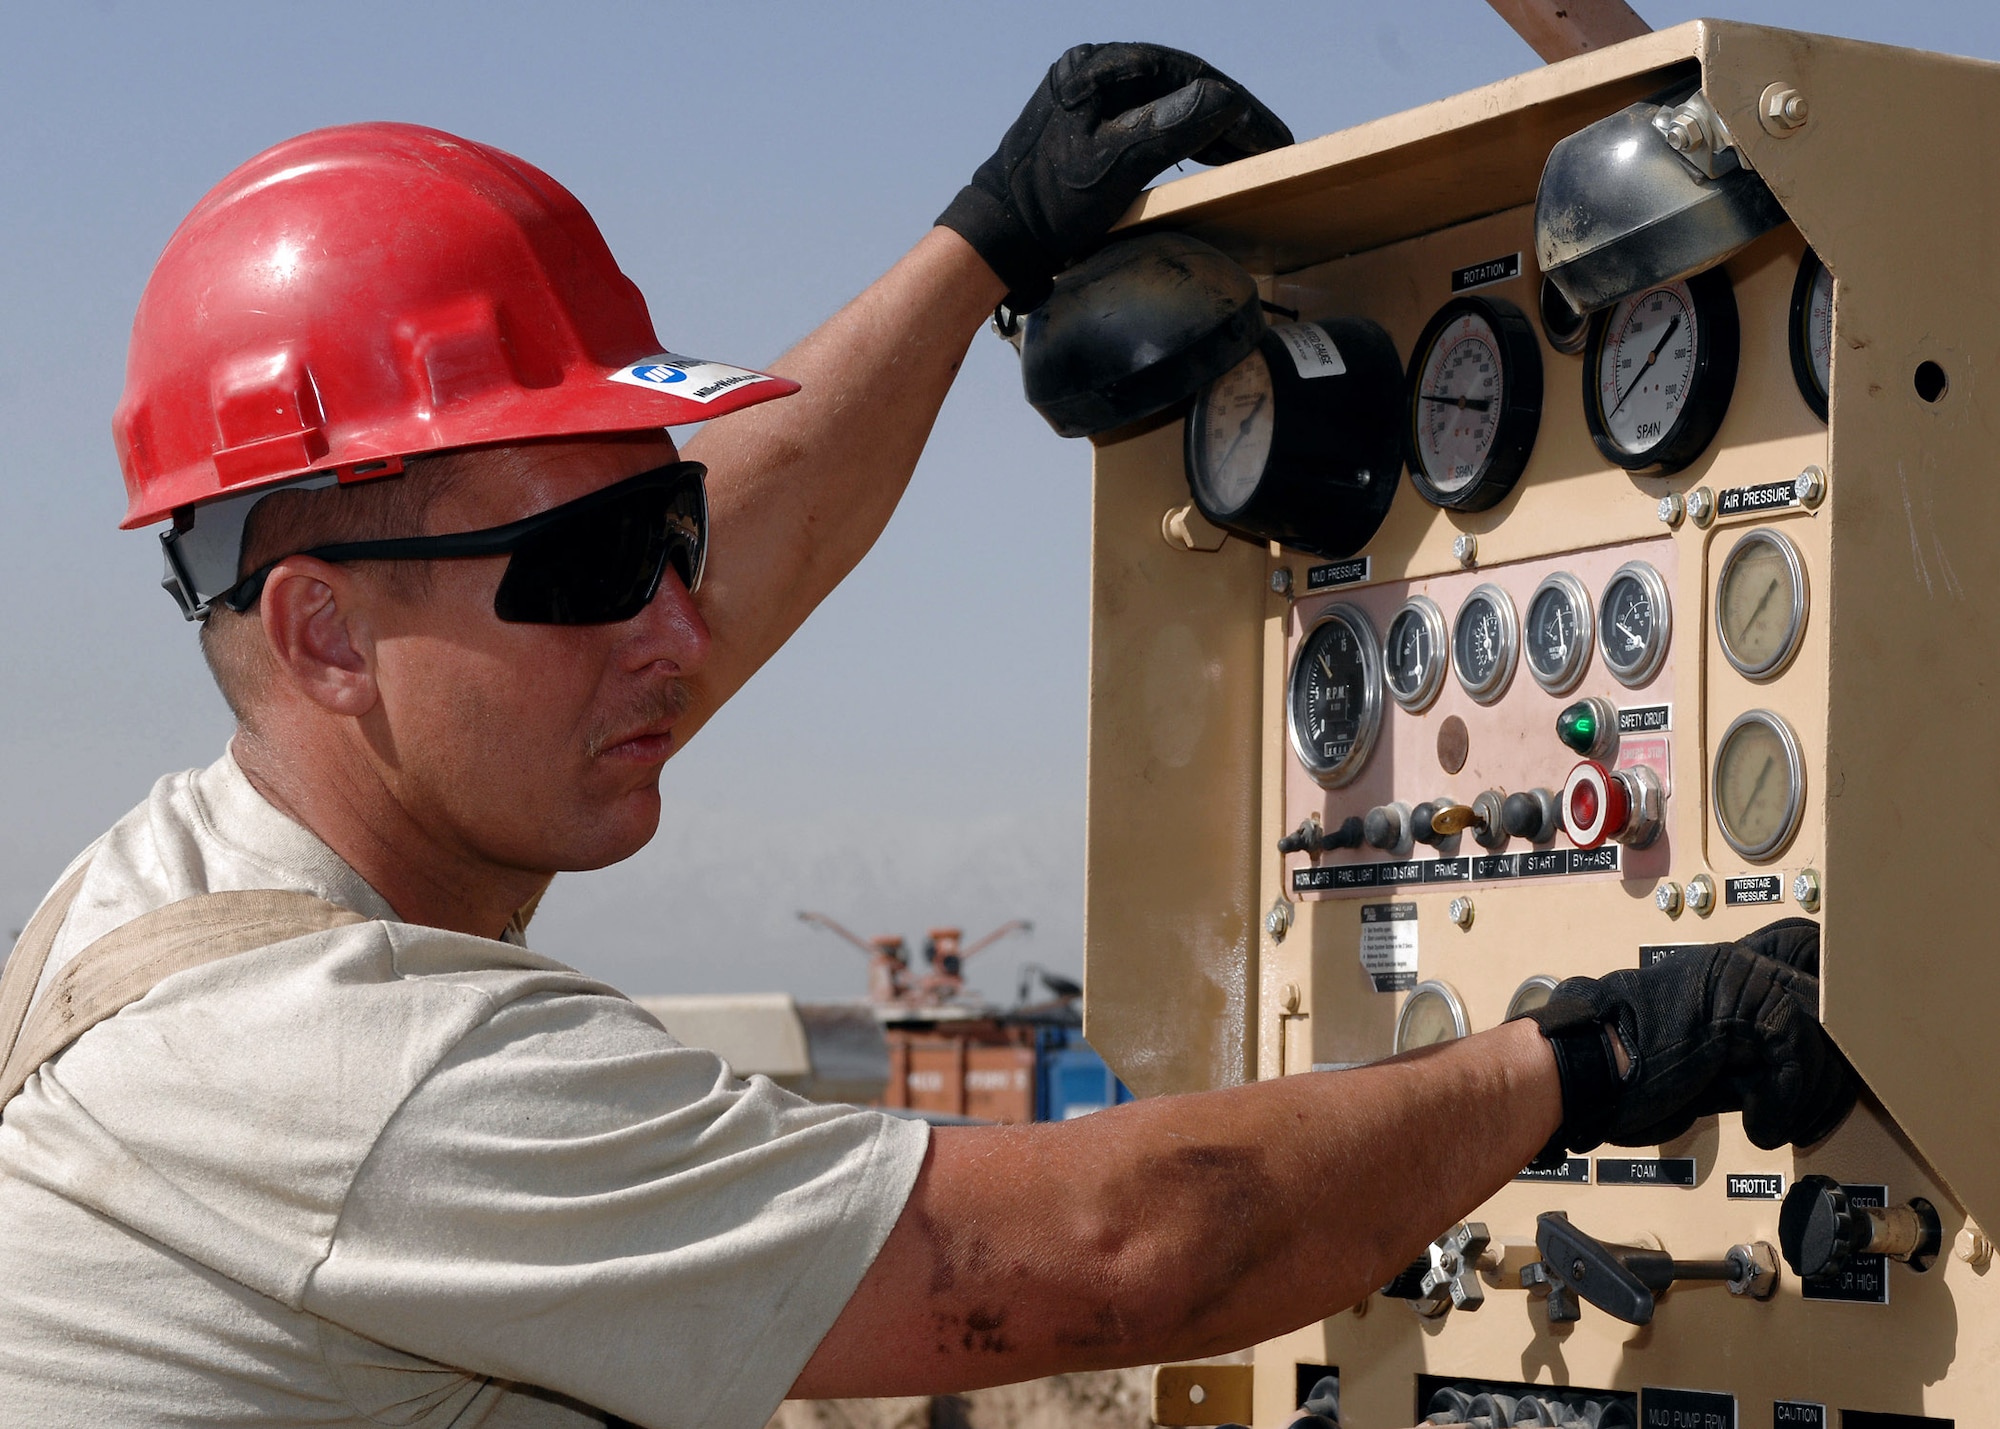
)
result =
(333, 1146)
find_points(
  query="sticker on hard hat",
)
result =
(690, 378)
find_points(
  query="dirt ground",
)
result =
(1114, 1399)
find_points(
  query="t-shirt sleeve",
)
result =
(573, 1200)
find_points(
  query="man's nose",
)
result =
(670, 630)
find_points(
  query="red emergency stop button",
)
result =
(1595, 805)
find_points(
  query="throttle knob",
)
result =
(1821, 1230)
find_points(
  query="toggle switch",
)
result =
(1485, 816)
(1821, 1229)
(1590, 728)
(1310, 837)
(1622, 805)
(1532, 814)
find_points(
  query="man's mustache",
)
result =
(664, 703)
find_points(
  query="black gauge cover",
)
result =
(1709, 387)
(1520, 357)
(1800, 340)
(1336, 446)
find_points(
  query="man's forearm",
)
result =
(800, 489)
(1184, 1225)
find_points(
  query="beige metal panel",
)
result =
(1201, 1393)
(1894, 180)
(1176, 657)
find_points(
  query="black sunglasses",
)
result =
(596, 560)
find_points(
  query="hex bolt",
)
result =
(1465, 549)
(1805, 889)
(1281, 581)
(1460, 912)
(1671, 509)
(1810, 487)
(1685, 134)
(1781, 109)
(1972, 1247)
(1701, 506)
(1699, 894)
(1667, 898)
(1278, 921)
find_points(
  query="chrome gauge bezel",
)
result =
(1795, 774)
(1795, 626)
(1561, 681)
(1654, 654)
(1540, 982)
(1363, 631)
(1495, 684)
(1444, 992)
(1432, 680)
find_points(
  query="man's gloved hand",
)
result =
(1104, 122)
(1726, 1027)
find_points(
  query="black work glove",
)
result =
(1105, 121)
(1726, 1027)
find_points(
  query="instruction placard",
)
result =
(1389, 945)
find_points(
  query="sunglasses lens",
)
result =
(604, 563)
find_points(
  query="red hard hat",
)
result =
(363, 294)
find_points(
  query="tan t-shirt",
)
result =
(393, 1175)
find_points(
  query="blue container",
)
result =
(1070, 1078)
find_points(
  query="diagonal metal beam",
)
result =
(1558, 29)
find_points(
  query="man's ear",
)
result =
(322, 644)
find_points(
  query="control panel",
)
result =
(1645, 600)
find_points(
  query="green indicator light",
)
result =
(1577, 727)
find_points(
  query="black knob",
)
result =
(1819, 1229)
(1309, 837)
(1420, 822)
(1348, 835)
(1530, 814)
(1384, 826)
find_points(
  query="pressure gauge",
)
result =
(1760, 603)
(1485, 643)
(1413, 657)
(1530, 995)
(1811, 332)
(1635, 621)
(1475, 403)
(1431, 1014)
(1560, 630)
(1658, 372)
(1334, 703)
(1759, 785)
(1299, 442)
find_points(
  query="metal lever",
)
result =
(1625, 1281)
(1451, 1281)
(1310, 838)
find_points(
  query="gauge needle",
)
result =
(1752, 619)
(1634, 641)
(1758, 787)
(1243, 430)
(1651, 358)
(1472, 404)
(1326, 665)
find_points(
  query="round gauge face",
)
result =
(1335, 706)
(1645, 369)
(1234, 421)
(1760, 603)
(1485, 643)
(1659, 370)
(1812, 332)
(1413, 655)
(1759, 784)
(1559, 633)
(1530, 995)
(1458, 398)
(1431, 1014)
(1634, 622)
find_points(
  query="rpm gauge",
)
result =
(1334, 702)
(1561, 627)
(1635, 622)
(1475, 403)
(1811, 332)
(1759, 785)
(1658, 373)
(1485, 643)
(1414, 655)
(1432, 1013)
(1760, 603)
(1231, 444)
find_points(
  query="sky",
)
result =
(915, 756)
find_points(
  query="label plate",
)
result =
(1338, 573)
(1645, 1171)
(1767, 496)
(1798, 1414)
(1493, 270)
(1753, 888)
(1686, 1409)
(1574, 1171)
(1389, 945)
(1754, 1186)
